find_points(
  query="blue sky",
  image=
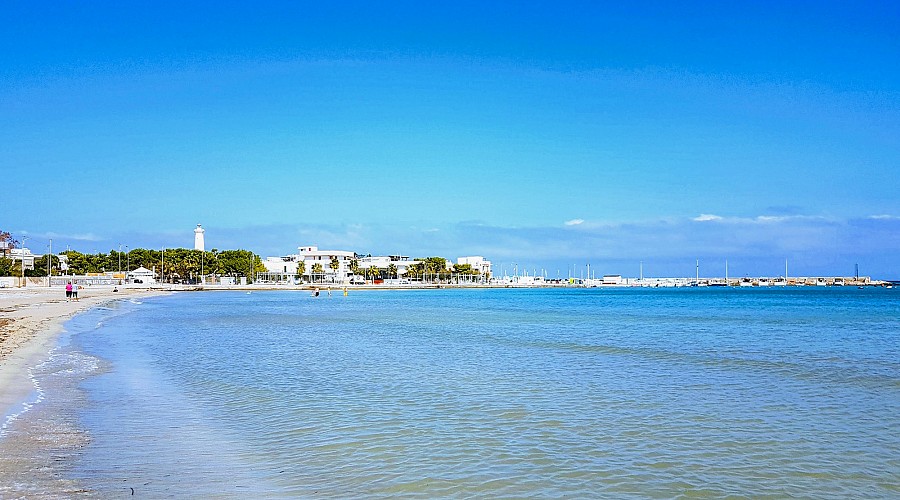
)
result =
(544, 134)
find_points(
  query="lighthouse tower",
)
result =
(198, 238)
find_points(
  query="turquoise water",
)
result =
(495, 393)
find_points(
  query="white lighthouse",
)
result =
(198, 238)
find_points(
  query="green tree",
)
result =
(335, 264)
(392, 271)
(40, 266)
(465, 269)
(8, 267)
(373, 272)
(301, 269)
(432, 267)
(416, 271)
(317, 270)
(354, 266)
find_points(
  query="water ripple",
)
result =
(510, 394)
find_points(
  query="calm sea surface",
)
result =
(574, 393)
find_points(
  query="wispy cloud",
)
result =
(76, 237)
(574, 222)
(706, 218)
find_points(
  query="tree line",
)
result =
(170, 264)
(184, 264)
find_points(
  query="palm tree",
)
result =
(392, 271)
(301, 269)
(317, 269)
(373, 271)
(335, 265)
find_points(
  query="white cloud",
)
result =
(574, 222)
(91, 237)
(706, 217)
(884, 217)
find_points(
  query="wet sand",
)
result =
(34, 451)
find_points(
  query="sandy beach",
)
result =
(31, 320)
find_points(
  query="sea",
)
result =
(471, 393)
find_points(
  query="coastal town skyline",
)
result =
(542, 136)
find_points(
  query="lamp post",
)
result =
(50, 263)
(127, 263)
(22, 262)
(120, 258)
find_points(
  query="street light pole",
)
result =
(50, 263)
(22, 266)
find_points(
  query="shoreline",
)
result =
(35, 450)
(31, 320)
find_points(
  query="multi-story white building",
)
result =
(478, 263)
(283, 269)
(24, 255)
(310, 256)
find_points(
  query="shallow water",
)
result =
(493, 393)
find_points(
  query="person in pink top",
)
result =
(68, 291)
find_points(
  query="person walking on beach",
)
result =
(75, 292)
(68, 291)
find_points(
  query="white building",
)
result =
(477, 262)
(310, 256)
(198, 239)
(612, 279)
(16, 254)
(401, 262)
(283, 265)
(141, 275)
